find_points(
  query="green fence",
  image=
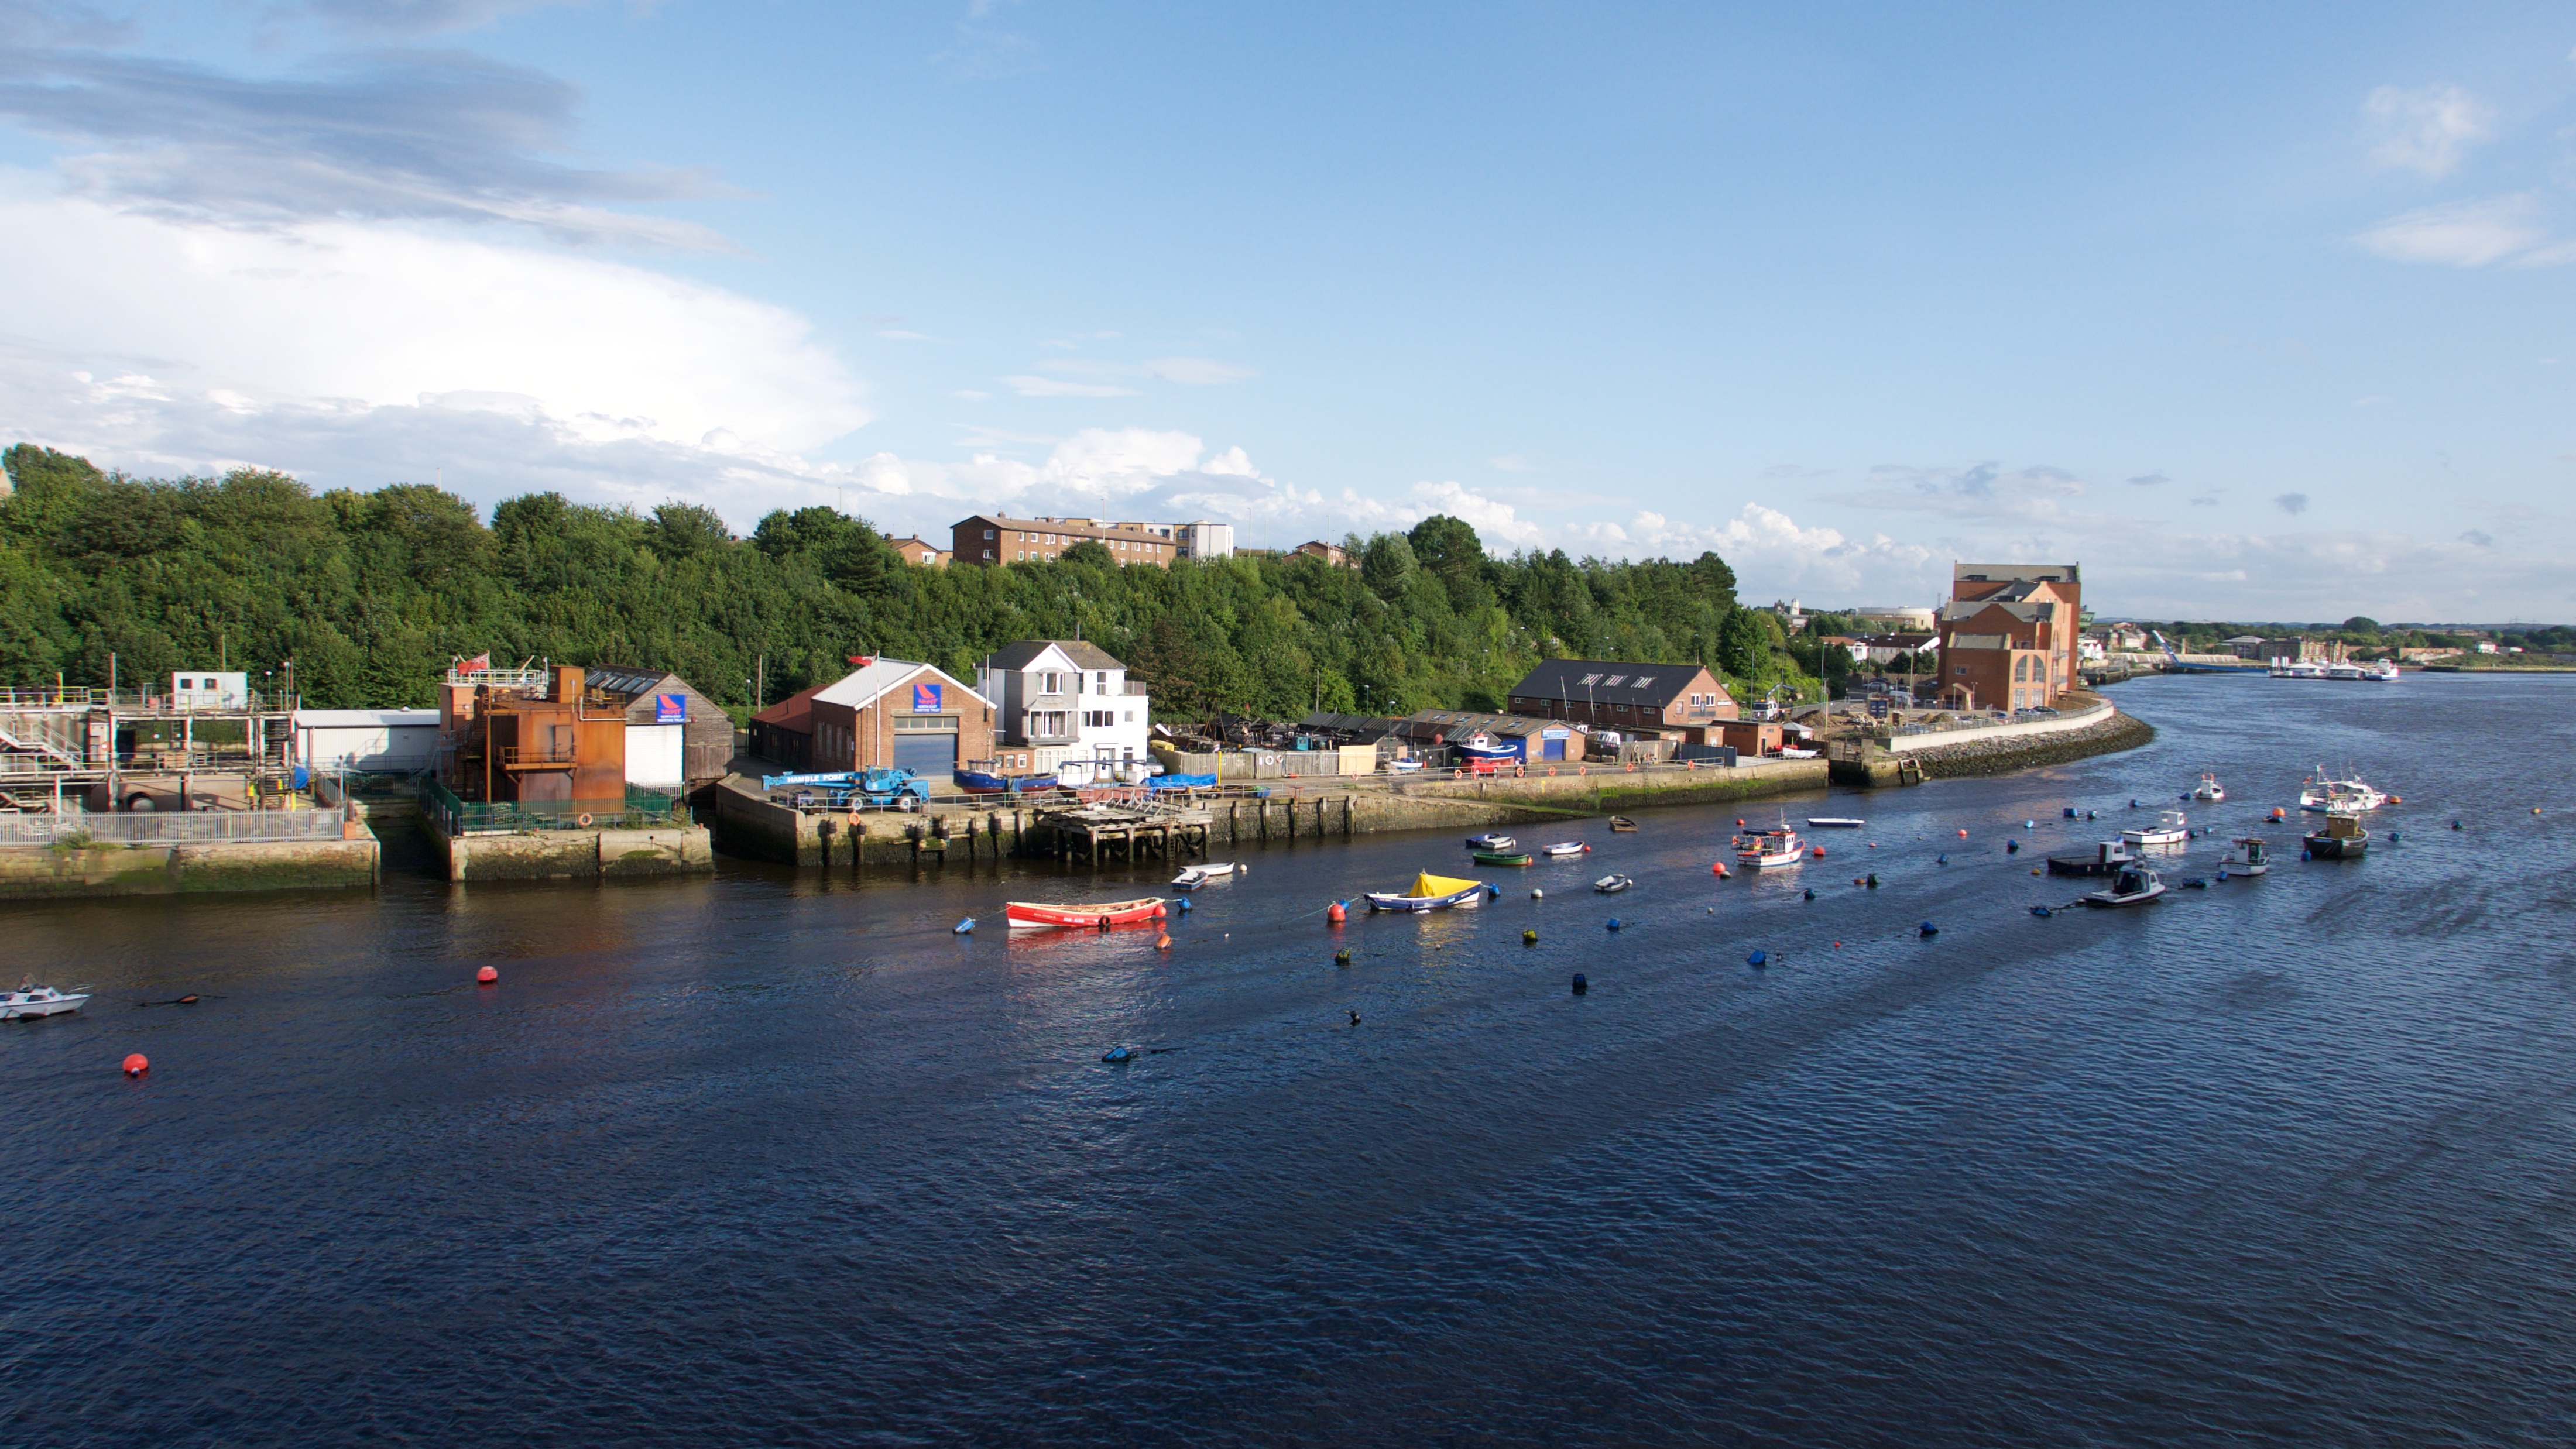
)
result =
(640, 809)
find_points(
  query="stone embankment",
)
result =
(94, 869)
(2004, 756)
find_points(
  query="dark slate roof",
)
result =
(624, 679)
(1083, 653)
(1657, 685)
(1348, 723)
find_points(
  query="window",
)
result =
(988, 533)
(1962, 671)
(1131, 719)
(1051, 682)
(1613, 679)
(1644, 679)
(1102, 679)
(1590, 680)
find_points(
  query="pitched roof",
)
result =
(1609, 683)
(1080, 653)
(871, 681)
(795, 712)
(1978, 641)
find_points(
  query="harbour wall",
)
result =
(2003, 756)
(571, 854)
(52, 872)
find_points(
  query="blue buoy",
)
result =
(1495, 891)
(1185, 905)
(2392, 837)
(1927, 929)
(2070, 812)
(1613, 923)
(1581, 985)
(2042, 912)
(2012, 847)
(2133, 802)
(1117, 1056)
(1758, 959)
(2030, 825)
(2089, 815)
(965, 927)
(2455, 825)
(1945, 858)
(1811, 893)
(1873, 880)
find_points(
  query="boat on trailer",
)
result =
(2135, 885)
(1431, 893)
(1044, 916)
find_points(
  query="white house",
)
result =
(1064, 699)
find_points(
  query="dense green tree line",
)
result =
(371, 594)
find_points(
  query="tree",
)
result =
(686, 530)
(1388, 559)
(1743, 645)
(2361, 624)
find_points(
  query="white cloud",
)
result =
(1027, 385)
(2426, 131)
(2460, 234)
(1198, 371)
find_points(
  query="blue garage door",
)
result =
(1555, 750)
(931, 756)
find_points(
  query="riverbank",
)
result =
(2122, 731)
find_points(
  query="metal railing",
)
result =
(638, 809)
(1995, 721)
(74, 828)
(537, 755)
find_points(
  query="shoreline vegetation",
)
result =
(371, 595)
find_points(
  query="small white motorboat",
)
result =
(1834, 822)
(2251, 855)
(1565, 848)
(1491, 840)
(1766, 849)
(2169, 829)
(2350, 795)
(32, 1002)
(2134, 885)
(2209, 789)
(1611, 885)
(1194, 876)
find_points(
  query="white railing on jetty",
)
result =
(1926, 734)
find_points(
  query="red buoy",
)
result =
(1820, 852)
(1335, 914)
(1162, 943)
(136, 1064)
(487, 975)
(1963, 835)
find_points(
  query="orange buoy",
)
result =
(1717, 868)
(1162, 943)
(136, 1064)
(1820, 852)
(487, 976)
(1158, 911)
(1336, 913)
(1739, 822)
(1963, 835)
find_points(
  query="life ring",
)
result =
(582, 820)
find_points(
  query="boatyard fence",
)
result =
(73, 828)
(639, 809)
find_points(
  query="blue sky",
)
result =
(2257, 315)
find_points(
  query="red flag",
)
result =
(479, 663)
(863, 660)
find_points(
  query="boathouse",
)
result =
(898, 712)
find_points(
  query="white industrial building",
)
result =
(368, 741)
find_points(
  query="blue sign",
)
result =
(925, 699)
(670, 709)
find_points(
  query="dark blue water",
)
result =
(768, 1159)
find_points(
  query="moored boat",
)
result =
(1565, 848)
(1500, 857)
(30, 1003)
(1764, 849)
(2350, 794)
(2170, 829)
(1834, 822)
(1039, 915)
(1622, 825)
(2248, 855)
(2134, 885)
(1491, 840)
(2343, 837)
(2108, 858)
(1611, 885)
(1430, 893)
(1194, 876)
(2209, 789)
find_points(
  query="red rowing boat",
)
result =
(1035, 916)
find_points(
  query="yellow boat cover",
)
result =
(1427, 884)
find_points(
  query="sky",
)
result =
(2255, 312)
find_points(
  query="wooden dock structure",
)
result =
(1101, 831)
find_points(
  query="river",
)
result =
(770, 1158)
